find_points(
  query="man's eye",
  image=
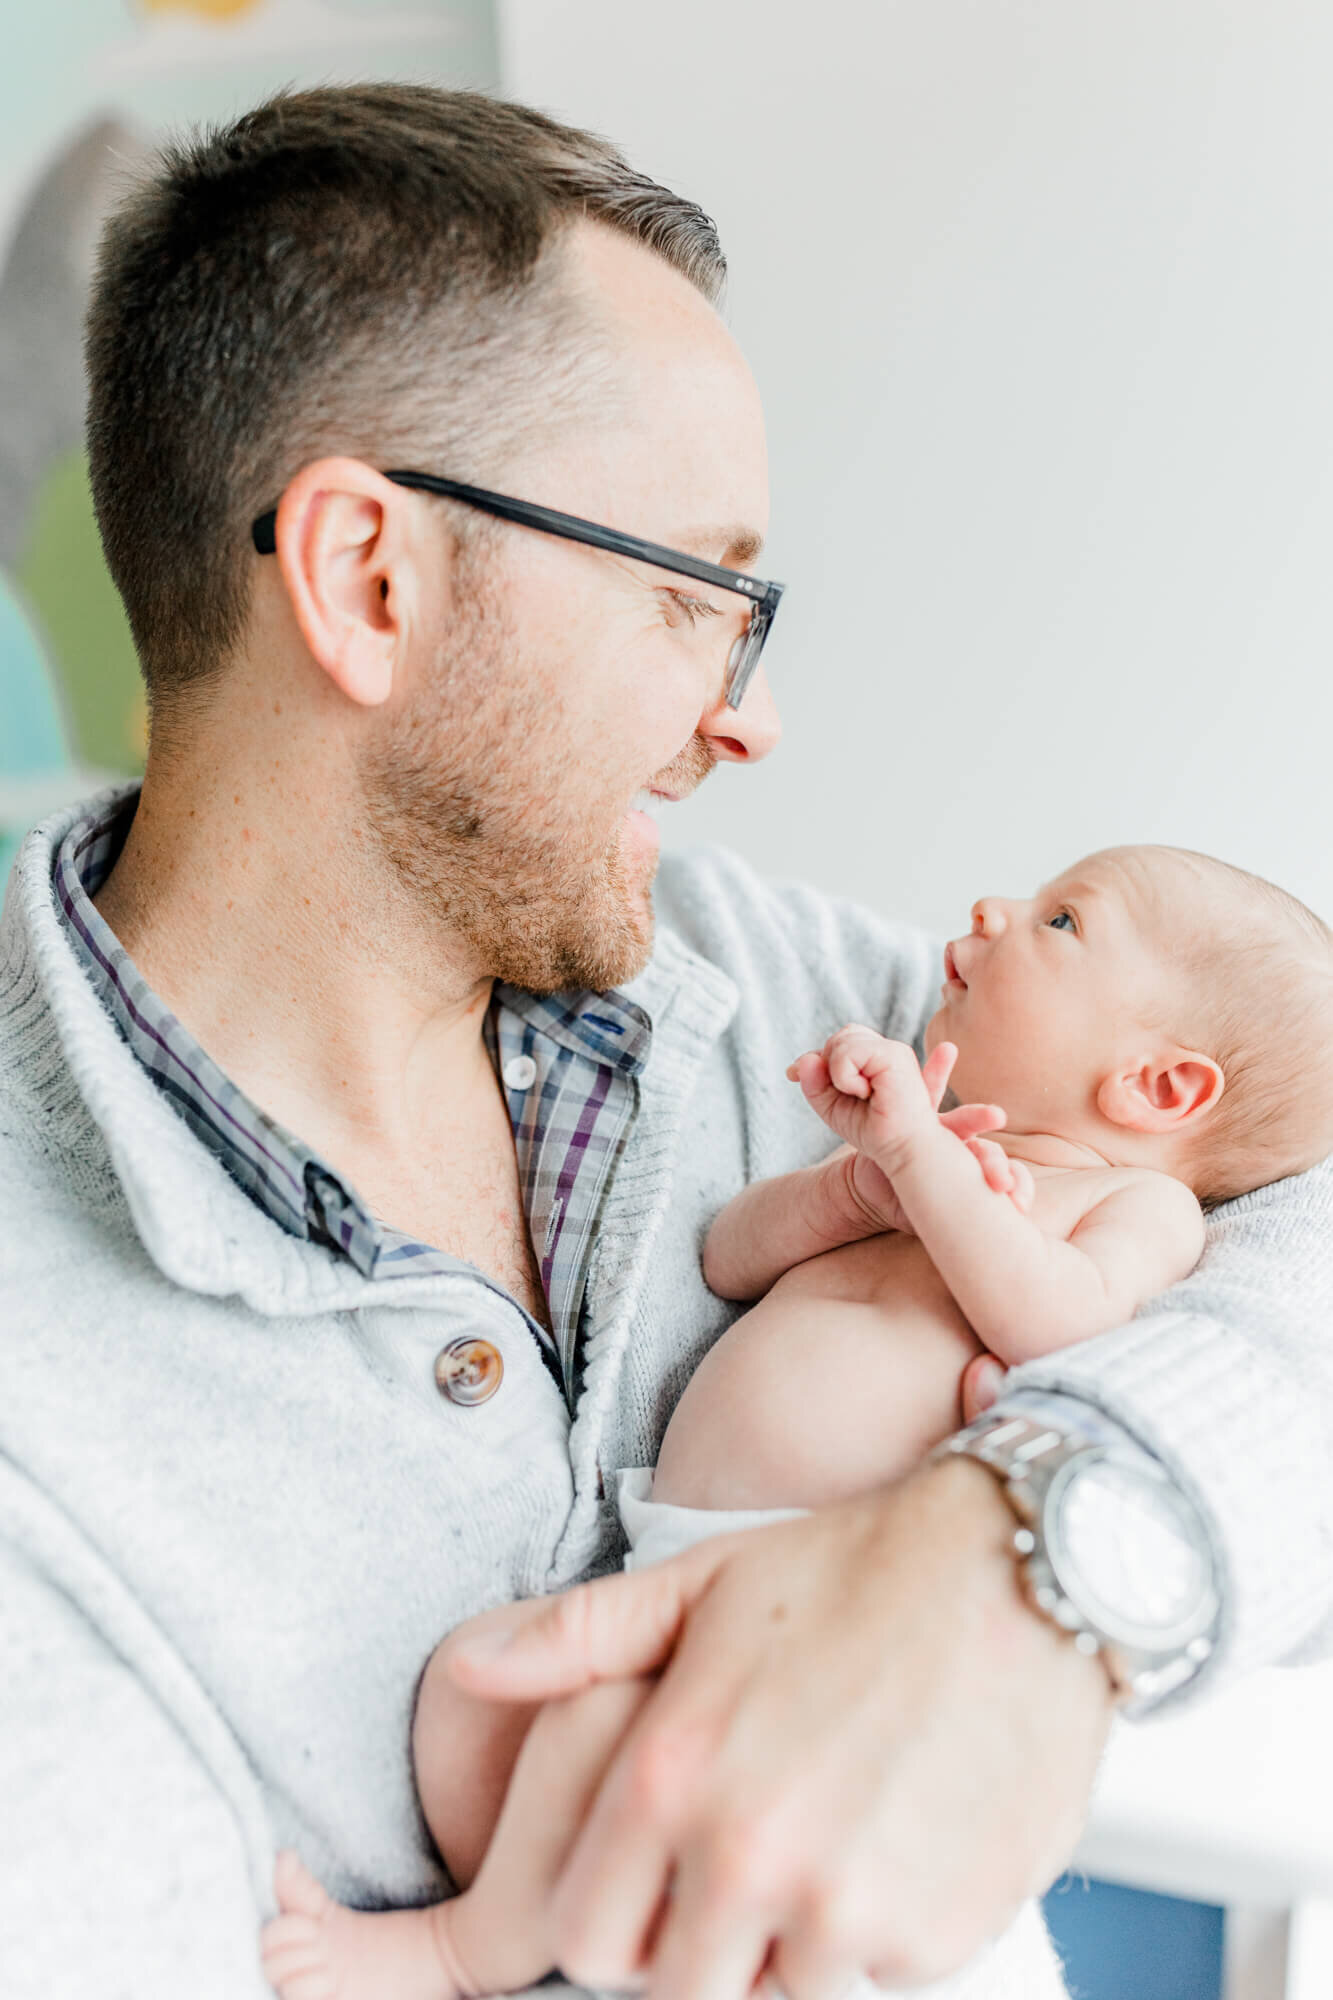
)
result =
(1063, 920)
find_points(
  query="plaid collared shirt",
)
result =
(569, 1065)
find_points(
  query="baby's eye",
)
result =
(1063, 920)
(694, 608)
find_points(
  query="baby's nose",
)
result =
(988, 917)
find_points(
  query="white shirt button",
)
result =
(520, 1073)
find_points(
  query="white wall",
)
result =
(1040, 297)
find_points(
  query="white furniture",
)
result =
(1233, 1804)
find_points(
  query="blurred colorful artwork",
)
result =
(87, 88)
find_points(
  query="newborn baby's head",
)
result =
(1156, 1006)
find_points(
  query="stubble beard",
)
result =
(468, 793)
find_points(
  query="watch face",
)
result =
(1125, 1547)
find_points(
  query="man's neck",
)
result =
(268, 929)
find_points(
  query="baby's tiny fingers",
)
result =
(845, 1073)
(937, 1069)
(982, 1381)
(965, 1121)
(811, 1072)
(995, 1164)
(296, 1888)
(294, 1953)
(1024, 1190)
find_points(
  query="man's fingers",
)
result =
(714, 1939)
(802, 1970)
(613, 1629)
(613, 1895)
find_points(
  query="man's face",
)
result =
(566, 683)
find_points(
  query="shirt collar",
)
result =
(281, 1174)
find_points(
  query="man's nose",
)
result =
(990, 915)
(743, 735)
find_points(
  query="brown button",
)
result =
(468, 1371)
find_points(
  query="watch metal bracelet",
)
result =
(1033, 1461)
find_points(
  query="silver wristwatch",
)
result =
(1109, 1549)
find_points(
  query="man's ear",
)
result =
(1163, 1093)
(348, 571)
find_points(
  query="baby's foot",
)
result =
(319, 1950)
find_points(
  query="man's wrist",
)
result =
(1073, 1415)
(983, 1522)
(1112, 1549)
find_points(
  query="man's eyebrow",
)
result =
(740, 546)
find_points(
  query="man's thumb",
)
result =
(613, 1629)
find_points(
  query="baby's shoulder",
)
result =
(1066, 1197)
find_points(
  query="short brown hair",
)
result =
(357, 270)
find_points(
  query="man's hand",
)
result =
(872, 1092)
(864, 1752)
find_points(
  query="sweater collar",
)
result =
(195, 1222)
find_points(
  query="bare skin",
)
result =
(498, 1937)
(840, 1380)
(864, 1264)
(253, 876)
(504, 1788)
(270, 861)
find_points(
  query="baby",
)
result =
(1151, 1033)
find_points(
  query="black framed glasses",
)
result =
(763, 598)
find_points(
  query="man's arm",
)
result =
(1227, 1379)
(880, 1728)
(125, 1865)
(863, 1753)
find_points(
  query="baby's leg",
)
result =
(496, 1937)
(463, 1752)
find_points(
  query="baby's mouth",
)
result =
(952, 976)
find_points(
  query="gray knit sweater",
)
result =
(236, 1516)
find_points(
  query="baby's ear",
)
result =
(1164, 1093)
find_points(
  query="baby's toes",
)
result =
(294, 1952)
(296, 1888)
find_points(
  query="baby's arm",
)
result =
(773, 1225)
(1024, 1293)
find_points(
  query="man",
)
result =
(359, 1131)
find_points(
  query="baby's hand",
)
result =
(872, 1093)
(1004, 1175)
